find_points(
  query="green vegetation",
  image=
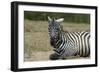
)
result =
(68, 17)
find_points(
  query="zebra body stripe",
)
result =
(68, 43)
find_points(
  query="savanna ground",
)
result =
(36, 45)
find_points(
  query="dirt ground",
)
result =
(38, 55)
(44, 56)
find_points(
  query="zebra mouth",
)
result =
(54, 38)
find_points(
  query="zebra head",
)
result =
(54, 27)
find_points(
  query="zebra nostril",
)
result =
(55, 38)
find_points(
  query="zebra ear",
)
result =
(49, 18)
(60, 20)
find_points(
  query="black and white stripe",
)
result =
(68, 43)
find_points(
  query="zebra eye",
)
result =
(56, 30)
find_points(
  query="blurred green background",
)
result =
(68, 17)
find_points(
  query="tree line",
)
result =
(68, 17)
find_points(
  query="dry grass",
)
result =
(36, 45)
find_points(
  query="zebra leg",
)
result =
(54, 56)
(63, 58)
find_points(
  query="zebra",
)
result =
(66, 44)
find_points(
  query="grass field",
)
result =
(36, 45)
